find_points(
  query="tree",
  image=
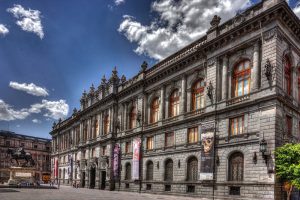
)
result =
(287, 165)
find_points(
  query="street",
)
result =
(69, 193)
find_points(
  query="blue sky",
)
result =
(51, 50)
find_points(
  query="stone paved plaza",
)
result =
(68, 193)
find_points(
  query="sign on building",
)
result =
(116, 161)
(136, 159)
(207, 156)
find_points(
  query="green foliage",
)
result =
(287, 163)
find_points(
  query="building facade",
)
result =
(40, 149)
(205, 121)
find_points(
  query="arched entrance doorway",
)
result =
(92, 177)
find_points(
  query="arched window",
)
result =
(198, 95)
(192, 169)
(241, 79)
(169, 170)
(154, 110)
(287, 75)
(174, 103)
(236, 167)
(128, 171)
(106, 124)
(132, 118)
(149, 172)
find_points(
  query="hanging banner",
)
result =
(116, 161)
(70, 166)
(56, 168)
(207, 156)
(136, 159)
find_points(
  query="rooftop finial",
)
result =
(123, 78)
(103, 80)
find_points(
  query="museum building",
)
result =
(203, 122)
(39, 148)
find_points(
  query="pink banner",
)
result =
(56, 168)
(136, 159)
(116, 161)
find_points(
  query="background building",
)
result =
(204, 121)
(40, 149)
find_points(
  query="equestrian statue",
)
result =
(20, 154)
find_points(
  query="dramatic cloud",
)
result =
(50, 109)
(36, 121)
(3, 30)
(118, 2)
(54, 109)
(29, 20)
(178, 24)
(7, 113)
(29, 88)
(297, 9)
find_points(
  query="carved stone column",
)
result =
(255, 72)
(295, 83)
(145, 111)
(225, 78)
(125, 115)
(110, 119)
(183, 95)
(161, 105)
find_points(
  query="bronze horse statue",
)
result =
(20, 154)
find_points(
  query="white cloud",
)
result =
(7, 113)
(118, 2)
(297, 9)
(29, 20)
(36, 121)
(54, 109)
(178, 24)
(18, 126)
(50, 109)
(29, 88)
(3, 30)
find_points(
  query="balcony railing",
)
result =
(152, 125)
(238, 99)
(195, 112)
(171, 119)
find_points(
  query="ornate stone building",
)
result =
(204, 121)
(40, 149)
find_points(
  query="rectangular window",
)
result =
(193, 135)
(128, 148)
(103, 150)
(169, 139)
(149, 143)
(35, 146)
(167, 187)
(190, 189)
(289, 124)
(7, 143)
(94, 153)
(237, 125)
(148, 187)
(234, 190)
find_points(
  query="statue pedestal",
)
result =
(21, 174)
